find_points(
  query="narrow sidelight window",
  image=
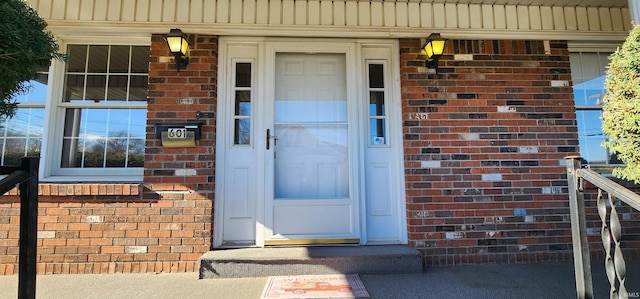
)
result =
(242, 101)
(377, 115)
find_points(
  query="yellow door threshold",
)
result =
(312, 242)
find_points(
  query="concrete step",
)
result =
(281, 261)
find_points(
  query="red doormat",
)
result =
(315, 286)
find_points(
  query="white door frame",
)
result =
(264, 61)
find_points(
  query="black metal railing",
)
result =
(611, 230)
(25, 177)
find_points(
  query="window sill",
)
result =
(85, 189)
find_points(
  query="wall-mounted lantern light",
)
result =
(433, 48)
(178, 46)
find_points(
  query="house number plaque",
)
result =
(177, 133)
(418, 116)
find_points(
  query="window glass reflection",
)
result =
(21, 135)
(242, 131)
(588, 75)
(376, 76)
(138, 88)
(104, 138)
(77, 58)
(74, 88)
(243, 74)
(97, 76)
(591, 136)
(119, 62)
(377, 131)
(243, 103)
(376, 107)
(117, 90)
(140, 59)
(98, 57)
(590, 92)
(37, 91)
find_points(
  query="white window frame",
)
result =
(592, 48)
(51, 151)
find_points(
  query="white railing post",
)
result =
(581, 256)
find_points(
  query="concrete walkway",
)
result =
(543, 280)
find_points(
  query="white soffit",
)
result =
(560, 3)
(592, 20)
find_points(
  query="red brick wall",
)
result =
(485, 171)
(163, 225)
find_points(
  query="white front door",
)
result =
(310, 197)
(309, 147)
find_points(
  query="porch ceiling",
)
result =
(569, 3)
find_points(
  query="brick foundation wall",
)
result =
(108, 228)
(485, 173)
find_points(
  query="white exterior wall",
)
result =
(331, 18)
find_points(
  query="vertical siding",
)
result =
(363, 14)
(301, 13)
(196, 11)
(142, 10)
(402, 15)
(389, 14)
(274, 12)
(168, 10)
(351, 15)
(235, 15)
(476, 10)
(326, 12)
(339, 14)
(262, 12)
(463, 16)
(222, 12)
(500, 17)
(546, 15)
(73, 9)
(377, 15)
(414, 15)
(314, 12)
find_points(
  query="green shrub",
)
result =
(621, 110)
(26, 47)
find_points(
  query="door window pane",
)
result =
(312, 156)
(242, 131)
(243, 74)
(376, 76)
(243, 103)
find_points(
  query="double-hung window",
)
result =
(93, 125)
(588, 72)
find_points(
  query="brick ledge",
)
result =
(76, 189)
